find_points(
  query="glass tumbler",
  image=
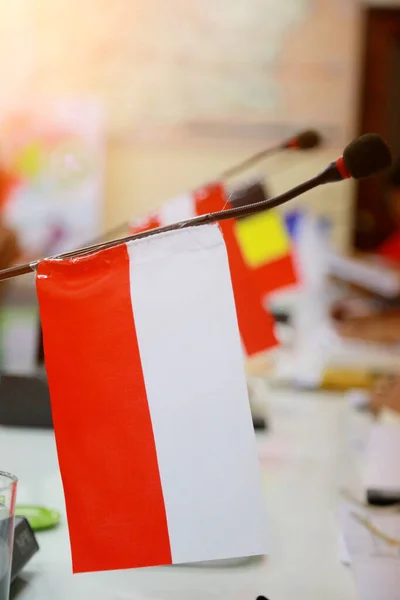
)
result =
(8, 490)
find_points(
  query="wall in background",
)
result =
(189, 87)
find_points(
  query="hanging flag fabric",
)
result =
(152, 421)
(150, 222)
(255, 323)
(267, 249)
(264, 240)
(252, 233)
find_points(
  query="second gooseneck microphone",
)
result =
(305, 140)
(364, 157)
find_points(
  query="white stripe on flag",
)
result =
(192, 362)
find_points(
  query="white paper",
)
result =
(375, 562)
(377, 581)
(311, 313)
(382, 460)
(343, 551)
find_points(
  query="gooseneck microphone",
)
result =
(362, 158)
(359, 157)
(305, 140)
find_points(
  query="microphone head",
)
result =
(308, 139)
(366, 156)
(305, 140)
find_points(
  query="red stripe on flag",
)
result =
(104, 435)
(152, 222)
(276, 275)
(256, 325)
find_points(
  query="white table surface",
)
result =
(310, 453)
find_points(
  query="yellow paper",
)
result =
(263, 238)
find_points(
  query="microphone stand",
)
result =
(236, 169)
(232, 213)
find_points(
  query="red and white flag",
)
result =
(152, 421)
(257, 327)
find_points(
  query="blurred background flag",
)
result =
(267, 249)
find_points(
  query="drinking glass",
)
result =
(8, 490)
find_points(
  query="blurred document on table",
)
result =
(372, 540)
(152, 420)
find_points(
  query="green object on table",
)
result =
(38, 517)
